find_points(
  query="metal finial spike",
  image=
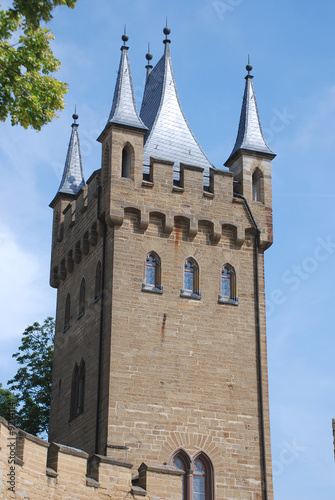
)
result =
(125, 37)
(248, 66)
(75, 116)
(148, 56)
(166, 30)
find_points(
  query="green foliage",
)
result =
(8, 403)
(29, 94)
(32, 382)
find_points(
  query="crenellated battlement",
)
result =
(35, 469)
(79, 229)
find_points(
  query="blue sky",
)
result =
(291, 44)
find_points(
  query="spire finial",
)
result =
(148, 57)
(125, 37)
(166, 32)
(248, 66)
(75, 116)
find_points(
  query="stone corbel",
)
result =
(114, 218)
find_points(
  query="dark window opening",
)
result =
(125, 163)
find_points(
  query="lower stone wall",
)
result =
(32, 469)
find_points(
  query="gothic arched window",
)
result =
(82, 298)
(257, 185)
(228, 285)
(77, 390)
(74, 391)
(199, 480)
(98, 281)
(152, 274)
(81, 386)
(198, 477)
(67, 316)
(125, 162)
(191, 279)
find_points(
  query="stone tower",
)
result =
(160, 346)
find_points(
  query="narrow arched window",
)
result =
(77, 390)
(191, 279)
(82, 298)
(203, 477)
(228, 285)
(125, 163)
(257, 185)
(199, 481)
(81, 386)
(226, 282)
(182, 462)
(150, 270)
(74, 391)
(189, 276)
(98, 281)
(67, 316)
(152, 274)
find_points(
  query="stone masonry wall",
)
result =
(40, 470)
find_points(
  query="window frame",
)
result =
(232, 299)
(195, 293)
(157, 287)
(189, 472)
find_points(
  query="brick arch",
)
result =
(192, 442)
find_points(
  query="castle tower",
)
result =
(160, 346)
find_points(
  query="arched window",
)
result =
(228, 285)
(182, 461)
(74, 391)
(191, 280)
(198, 478)
(82, 298)
(152, 274)
(257, 185)
(81, 386)
(67, 316)
(77, 390)
(125, 162)
(98, 276)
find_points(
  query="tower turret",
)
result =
(72, 182)
(250, 159)
(122, 137)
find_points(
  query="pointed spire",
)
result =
(169, 136)
(124, 110)
(250, 136)
(73, 177)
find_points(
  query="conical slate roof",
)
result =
(169, 136)
(73, 177)
(124, 110)
(250, 136)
